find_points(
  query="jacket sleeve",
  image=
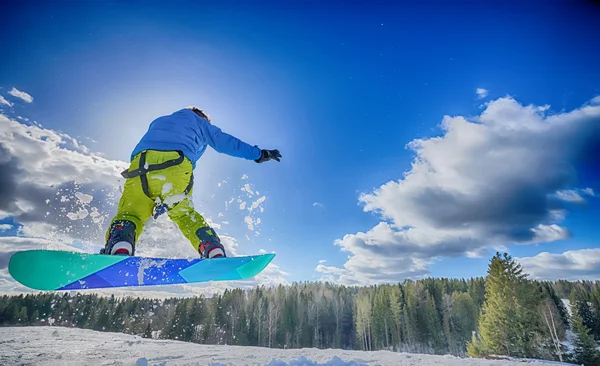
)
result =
(225, 143)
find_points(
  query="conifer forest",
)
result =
(504, 313)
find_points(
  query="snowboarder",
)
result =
(160, 179)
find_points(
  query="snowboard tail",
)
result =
(61, 270)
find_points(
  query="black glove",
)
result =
(267, 155)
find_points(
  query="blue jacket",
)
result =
(186, 131)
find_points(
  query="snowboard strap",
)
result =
(144, 168)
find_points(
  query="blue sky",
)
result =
(340, 89)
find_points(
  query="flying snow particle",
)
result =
(248, 221)
(84, 198)
(171, 200)
(248, 189)
(167, 187)
(257, 203)
(79, 215)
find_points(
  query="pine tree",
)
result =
(148, 331)
(508, 320)
(35, 317)
(585, 348)
(396, 305)
(21, 315)
(117, 319)
(584, 305)
(434, 328)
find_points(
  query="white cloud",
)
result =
(500, 178)
(583, 264)
(21, 95)
(575, 195)
(569, 195)
(318, 204)
(481, 93)
(589, 192)
(322, 261)
(50, 178)
(5, 227)
(4, 101)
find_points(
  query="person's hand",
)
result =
(267, 155)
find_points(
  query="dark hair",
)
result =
(200, 112)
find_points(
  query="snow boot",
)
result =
(210, 245)
(121, 239)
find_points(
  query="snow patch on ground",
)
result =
(48, 345)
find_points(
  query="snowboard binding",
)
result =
(210, 245)
(121, 239)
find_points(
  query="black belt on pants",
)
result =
(143, 169)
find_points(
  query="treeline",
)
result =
(432, 315)
(501, 314)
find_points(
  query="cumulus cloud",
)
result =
(570, 195)
(64, 195)
(583, 264)
(503, 177)
(5, 102)
(4, 227)
(44, 174)
(481, 93)
(21, 95)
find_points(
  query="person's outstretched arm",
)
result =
(225, 143)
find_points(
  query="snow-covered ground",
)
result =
(71, 346)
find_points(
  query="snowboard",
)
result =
(53, 270)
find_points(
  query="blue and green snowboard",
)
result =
(61, 270)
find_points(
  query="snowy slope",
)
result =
(71, 346)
